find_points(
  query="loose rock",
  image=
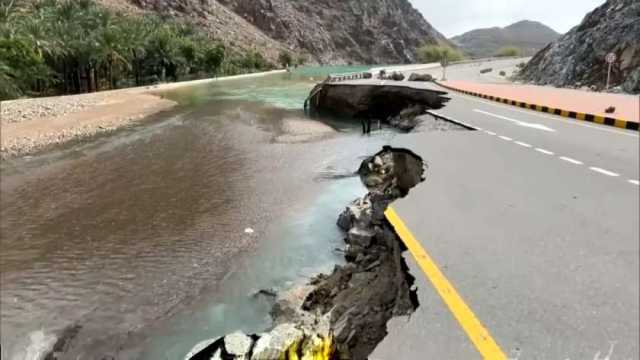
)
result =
(420, 77)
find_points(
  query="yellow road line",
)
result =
(476, 332)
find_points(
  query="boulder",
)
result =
(420, 77)
(396, 76)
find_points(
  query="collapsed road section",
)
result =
(342, 315)
(398, 106)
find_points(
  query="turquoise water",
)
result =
(308, 237)
(286, 91)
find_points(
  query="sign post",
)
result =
(611, 58)
(444, 63)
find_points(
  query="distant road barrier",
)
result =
(333, 78)
(594, 118)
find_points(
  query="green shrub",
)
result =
(509, 51)
(285, 59)
(439, 53)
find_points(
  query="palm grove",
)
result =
(50, 47)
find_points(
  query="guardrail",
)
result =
(417, 67)
(350, 76)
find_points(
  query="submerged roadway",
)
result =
(525, 239)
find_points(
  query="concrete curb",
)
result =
(598, 119)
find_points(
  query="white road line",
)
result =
(555, 117)
(517, 122)
(523, 144)
(491, 133)
(547, 152)
(603, 171)
(506, 138)
(573, 161)
(634, 182)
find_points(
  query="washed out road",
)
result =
(532, 220)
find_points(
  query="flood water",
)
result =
(155, 238)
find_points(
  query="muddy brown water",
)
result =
(154, 238)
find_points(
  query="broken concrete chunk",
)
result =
(362, 279)
(409, 118)
(360, 236)
(288, 306)
(345, 220)
(358, 212)
(238, 345)
(276, 343)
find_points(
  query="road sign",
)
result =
(610, 58)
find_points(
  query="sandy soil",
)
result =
(303, 130)
(31, 125)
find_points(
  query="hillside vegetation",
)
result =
(74, 46)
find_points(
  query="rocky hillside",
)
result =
(578, 58)
(528, 36)
(327, 31)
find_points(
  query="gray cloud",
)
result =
(454, 17)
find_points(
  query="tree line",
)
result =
(446, 54)
(51, 47)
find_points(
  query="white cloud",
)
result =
(454, 17)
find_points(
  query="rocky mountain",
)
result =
(578, 58)
(529, 36)
(327, 31)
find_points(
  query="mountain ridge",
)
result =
(578, 58)
(326, 32)
(527, 35)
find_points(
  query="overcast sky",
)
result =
(454, 17)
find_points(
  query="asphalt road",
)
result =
(534, 220)
(471, 71)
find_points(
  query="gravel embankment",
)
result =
(33, 125)
(15, 111)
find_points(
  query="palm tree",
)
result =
(134, 40)
(110, 52)
(163, 46)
